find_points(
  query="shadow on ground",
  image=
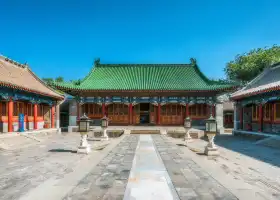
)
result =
(63, 151)
(246, 145)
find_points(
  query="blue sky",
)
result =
(64, 37)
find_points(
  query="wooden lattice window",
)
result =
(198, 110)
(277, 111)
(267, 111)
(92, 109)
(117, 109)
(3, 108)
(18, 108)
(255, 112)
(40, 111)
(152, 108)
(30, 109)
(174, 110)
(171, 109)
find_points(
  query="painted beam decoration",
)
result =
(153, 100)
(260, 99)
(18, 95)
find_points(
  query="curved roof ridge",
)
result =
(15, 63)
(144, 65)
(205, 78)
(181, 77)
(25, 70)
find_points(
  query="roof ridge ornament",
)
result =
(96, 61)
(193, 61)
(13, 61)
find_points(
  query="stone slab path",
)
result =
(148, 178)
(108, 180)
(136, 167)
(190, 180)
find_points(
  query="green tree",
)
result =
(48, 80)
(59, 79)
(76, 82)
(247, 66)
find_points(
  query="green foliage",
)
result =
(48, 80)
(76, 82)
(223, 81)
(247, 66)
(51, 80)
(59, 79)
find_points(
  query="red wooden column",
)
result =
(241, 117)
(208, 110)
(103, 109)
(35, 110)
(158, 114)
(187, 110)
(52, 116)
(130, 113)
(10, 115)
(260, 118)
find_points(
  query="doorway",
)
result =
(144, 113)
(228, 119)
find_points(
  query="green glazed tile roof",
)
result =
(145, 77)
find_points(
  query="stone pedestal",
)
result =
(187, 137)
(211, 149)
(84, 147)
(105, 136)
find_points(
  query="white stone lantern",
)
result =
(104, 126)
(84, 129)
(211, 131)
(104, 122)
(188, 122)
(187, 126)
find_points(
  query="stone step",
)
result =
(196, 133)
(145, 132)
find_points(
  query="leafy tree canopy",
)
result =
(59, 79)
(76, 82)
(247, 66)
(48, 80)
(51, 80)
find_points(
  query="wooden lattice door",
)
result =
(136, 114)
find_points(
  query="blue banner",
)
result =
(21, 122)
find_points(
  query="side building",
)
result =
(257, 105)
(23, 94)
(151, 94)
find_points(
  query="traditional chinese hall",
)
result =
(144, 94)
(25, 99)
(257, 107)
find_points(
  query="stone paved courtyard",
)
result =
(49, 168)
